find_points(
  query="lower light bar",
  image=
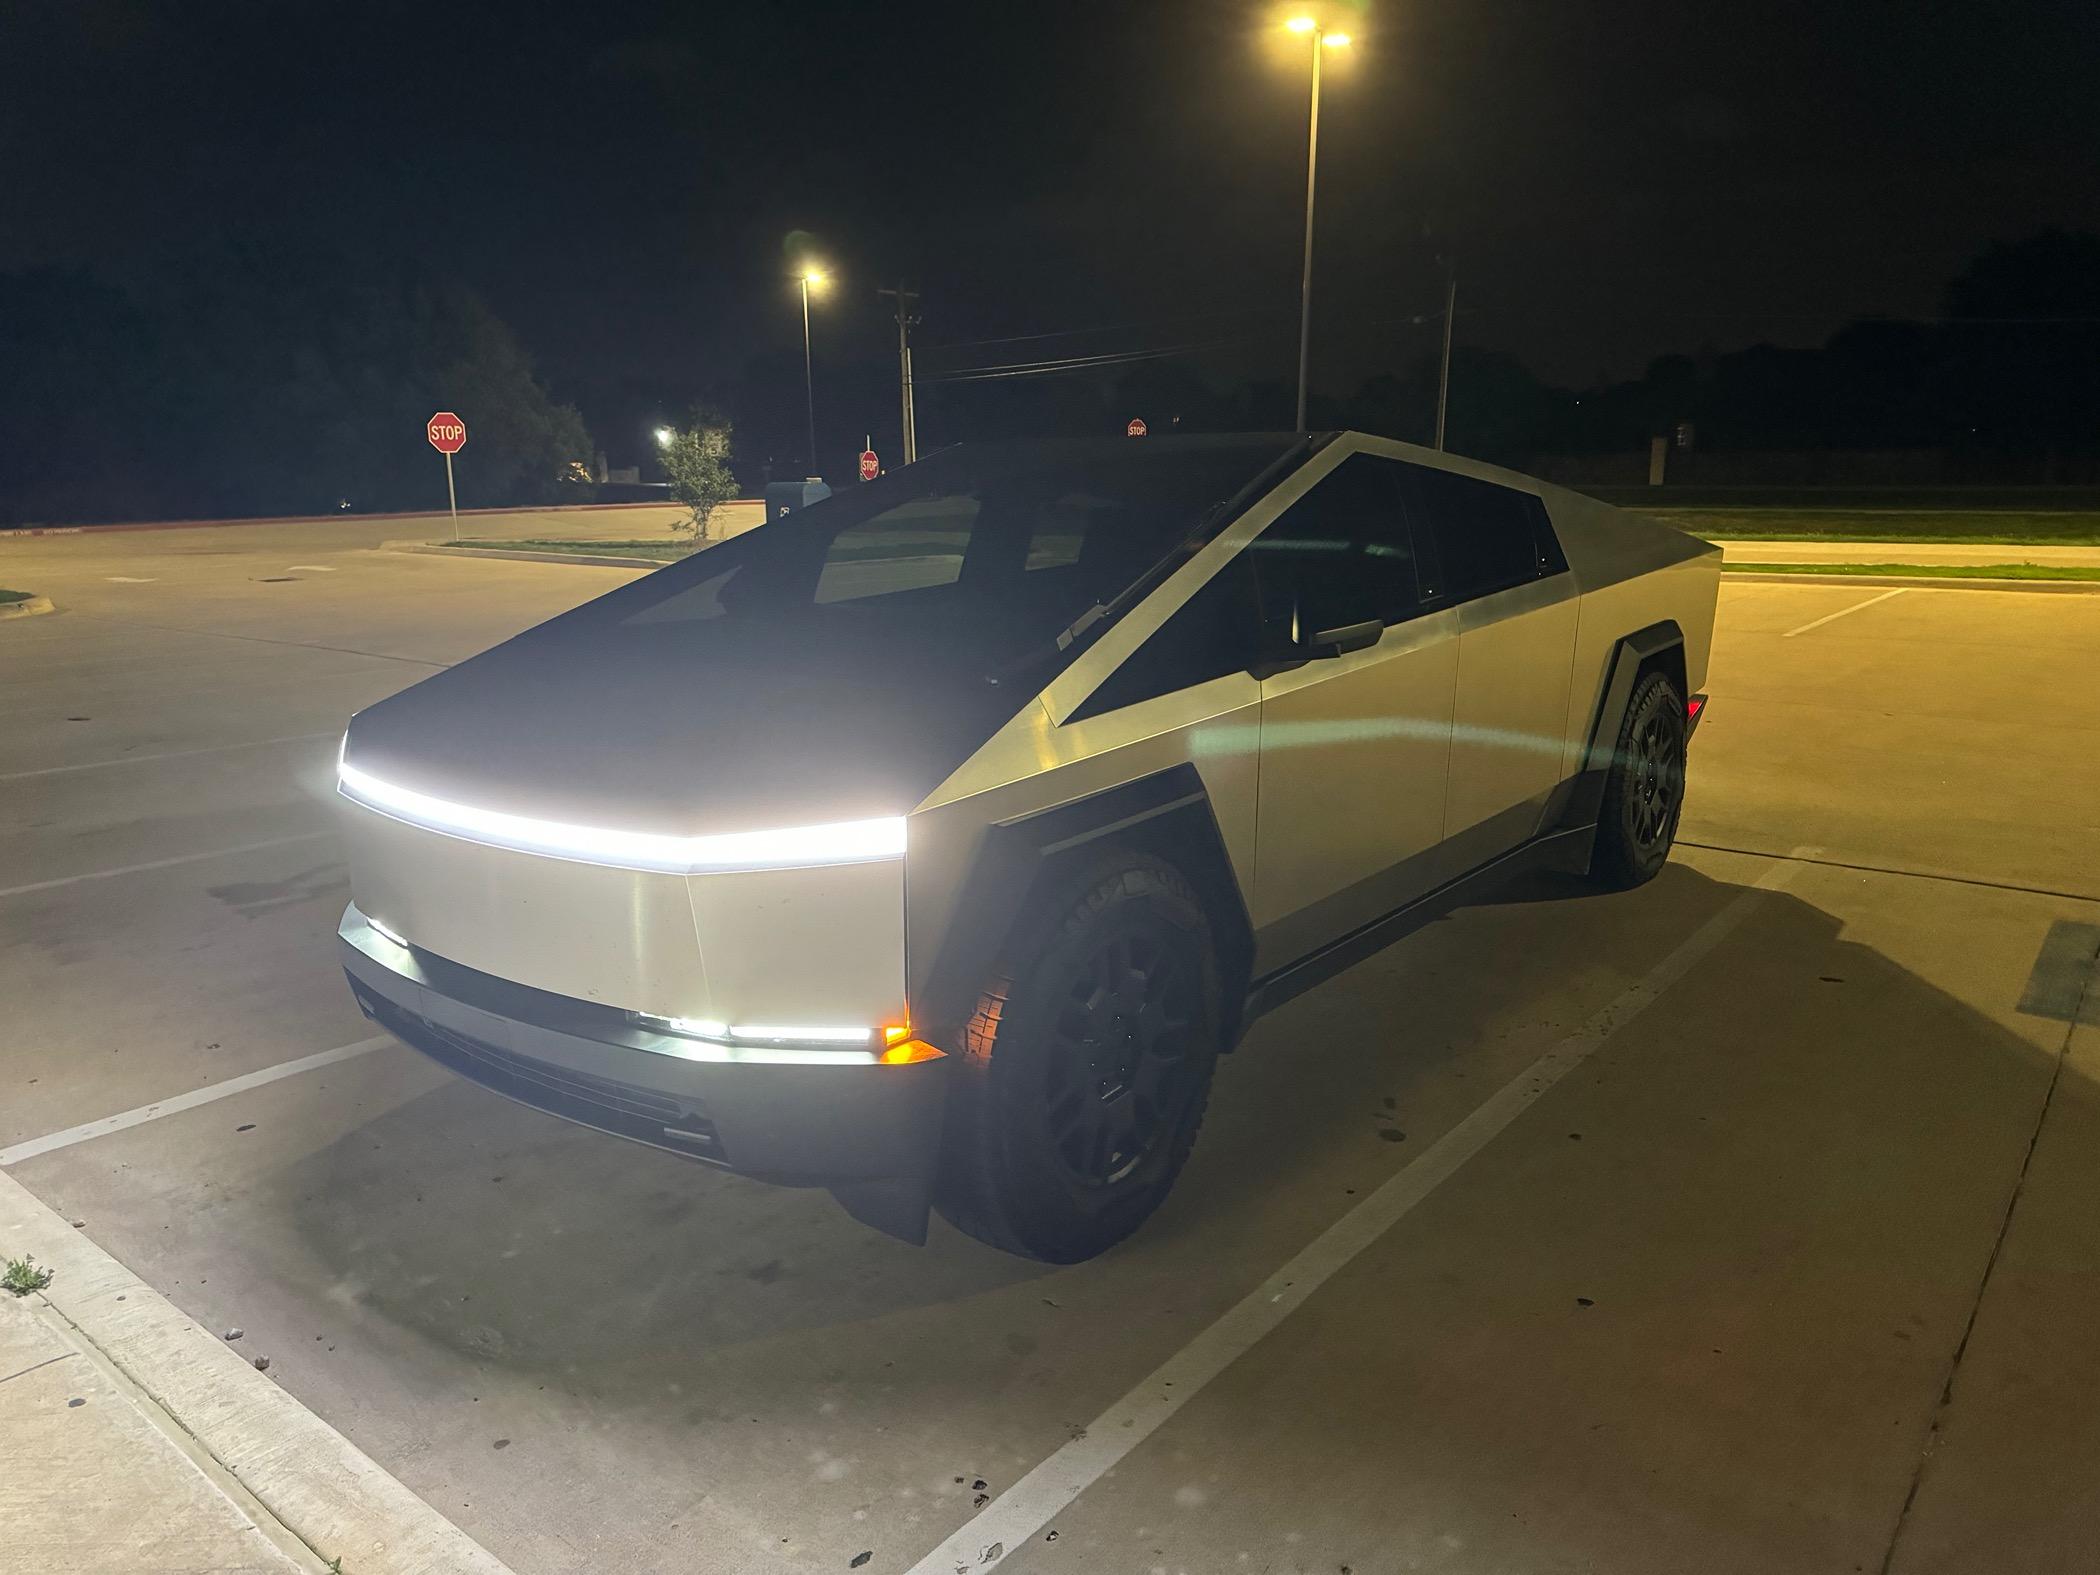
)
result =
(704, 1039)
(799, 847)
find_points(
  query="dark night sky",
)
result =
(1620, 180)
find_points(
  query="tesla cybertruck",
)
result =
(931, 843)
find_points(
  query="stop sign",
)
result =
(870, 466)
(1135, 429)
(448, 434)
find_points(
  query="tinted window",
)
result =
(979, 556)
(1340, 555)
(1487, 538)
(1212, 634)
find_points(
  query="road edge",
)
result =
(26, 609)
(1930, 582)
(317, 1484)
(463, 550)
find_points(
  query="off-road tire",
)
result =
(1102, 1017)
(1644, 792)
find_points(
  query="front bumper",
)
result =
(870, 1133)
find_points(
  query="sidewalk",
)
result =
(96, 1476)
(1927, 552)
(132, 1439)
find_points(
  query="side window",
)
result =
(1209, 635)
(1488, 538)
(920, 542)
(1340, 555)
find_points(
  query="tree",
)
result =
(696, 456)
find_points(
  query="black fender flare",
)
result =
(1632, 653)
(1167, 814)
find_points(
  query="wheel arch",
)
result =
(1166, 814)
(1659, 647)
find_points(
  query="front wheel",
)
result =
(1644, 792)
(1087, 1065)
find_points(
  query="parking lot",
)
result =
(1742, 1222)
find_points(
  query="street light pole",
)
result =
(1443, 375)
(1322, 40)
(1312, 169)
(809, 378)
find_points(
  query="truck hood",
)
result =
(689, 729)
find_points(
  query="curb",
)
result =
(311, 1479)
(1948, 582)
(28, 609)
(464, 551)
(334, 519)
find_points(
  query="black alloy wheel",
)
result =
(1644, 792)
(1086, 1067)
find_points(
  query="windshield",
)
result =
(988, 552)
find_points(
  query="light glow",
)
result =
(1335, 40)
(911, 1052)
(387, 934)
(1301, 24)
(799, 847)
(794, 1034)
(781, 1044)
(763, 1033)
(664, 436)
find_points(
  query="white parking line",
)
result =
(1016, 1515)
(160, 864)
(166, 754)
(175, 1104)
(1855, 607)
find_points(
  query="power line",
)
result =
(1086, 363)
(1081, 363)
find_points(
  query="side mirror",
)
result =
(1349, 637)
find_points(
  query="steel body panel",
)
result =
(808, 1124)
(1355, 751)
(796, 946)
(1516, 649)
(1036, 765)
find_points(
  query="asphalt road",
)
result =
(1783, 1257)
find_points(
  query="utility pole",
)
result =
(907, 319)
(1443, 376)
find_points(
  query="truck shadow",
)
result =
(1841, 1134)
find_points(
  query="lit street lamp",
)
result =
(1322, 40)
(810, 275)
(664, 436)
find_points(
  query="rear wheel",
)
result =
(1644, 793)
(1086, 1065)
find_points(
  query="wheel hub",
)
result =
(1125, 1029)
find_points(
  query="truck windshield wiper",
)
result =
(1065, 638)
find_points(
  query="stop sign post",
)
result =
(448, 435)
(870, 466)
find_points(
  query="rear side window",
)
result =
(1488, 538)
(1210, 635)
(1342, 554)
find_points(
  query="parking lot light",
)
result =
(812, 277)
(1322, 40)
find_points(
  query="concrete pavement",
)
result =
(1788, 1273)
(1919, 552)
(97, 1478)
